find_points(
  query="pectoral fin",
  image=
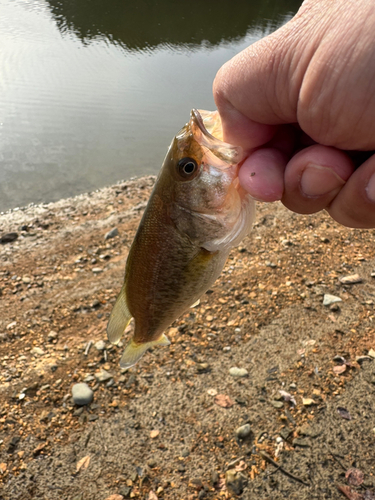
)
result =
(134, 351)
(119, 319)
(196, 303)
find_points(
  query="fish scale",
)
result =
(196, 213)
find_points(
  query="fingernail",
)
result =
(370, 189)
(318, 181)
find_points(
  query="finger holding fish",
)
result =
(196, 213)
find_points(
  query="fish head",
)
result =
(200, 174)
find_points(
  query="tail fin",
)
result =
(133, 351)
(119, 319)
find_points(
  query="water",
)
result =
(92, 92)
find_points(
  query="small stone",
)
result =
(37, 350)
(197, 482)
(82, 394)
(362, 359)
(103, 376)
(125, 491)
(214, 477)
(351, 279)
(285, 433)
(115, 497)
(52, 335)
(152, 463)
(97, 270)
(100, 345)
(302, 442)
(277, 404)
(234, 481)
(330, 299)
(181, 468)
(238, 372)
(203, 367)
(8, 238)
(371, 353)
(111, 234)
(212, 392)
(243, 432)
(185, 452)
(308, 401)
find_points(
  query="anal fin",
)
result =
(133, 351)
(119, 319)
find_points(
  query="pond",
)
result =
(92, 92)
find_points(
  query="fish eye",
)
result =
(187, 167)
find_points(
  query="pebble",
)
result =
(103, 376)
(277, 404)
(361, 359)
(285, 433)
(37, 350)
(185, 452)
(212, 392)
(82, 394)
(351, 279)
(238, 372)
(226, 348)
(8, 238)
(203, 367)
(111, 234)
(100, 345)
(302, 442)
(214, 477)
(152, 463)
(308, 401)
(243, 431)
(330, 299)
(234, 481)
(371, 353)
(125, 491)
(97, 270)
(52, 335)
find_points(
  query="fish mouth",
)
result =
(208, 132)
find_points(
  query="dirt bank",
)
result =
(167, 428)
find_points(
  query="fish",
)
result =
(196, 213)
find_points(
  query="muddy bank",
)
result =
(168, 428)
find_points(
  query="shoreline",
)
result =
(174, 418)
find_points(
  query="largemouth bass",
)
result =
(196, 213)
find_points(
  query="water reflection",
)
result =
(146, 24)
(92, 91)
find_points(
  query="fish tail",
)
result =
(134, 351)
(119, 319)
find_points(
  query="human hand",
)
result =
(301, 102)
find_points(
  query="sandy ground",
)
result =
(168, 428)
